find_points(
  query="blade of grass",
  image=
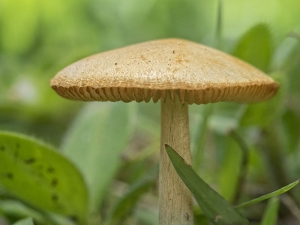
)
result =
(231, 170)
(214, 206)
(271, 212)
(26, 221)
(126, 203)
(219, 24)
(244, 150)
(270, 195)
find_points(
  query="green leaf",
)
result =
(27, 221)
(95, 142)
(214, 206)
(37, 175)
(255, 47)
(270, 195)
(271, 213)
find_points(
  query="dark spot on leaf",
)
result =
(116, 63)
(30, 160)
(54, 182)
(50, 169)
(10, 176)
(2, 148)
(173, 51)
(54, 198)
(73, 218)
(16, 155)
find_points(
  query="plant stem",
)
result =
(175, 200)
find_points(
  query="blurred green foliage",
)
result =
(38, 38)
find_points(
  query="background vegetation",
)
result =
(241, 150)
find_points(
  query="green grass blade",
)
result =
(271, 213)
(26, 221)
(270, 195)
(231, 170)
(126, 203)
(214, 206)
(14, 208)
(39, 176)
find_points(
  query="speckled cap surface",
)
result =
(149, 70)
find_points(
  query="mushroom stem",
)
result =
(175, 200)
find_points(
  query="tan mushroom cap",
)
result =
(145, 71)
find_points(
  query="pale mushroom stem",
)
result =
(175, 200)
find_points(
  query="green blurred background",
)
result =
(40, 37)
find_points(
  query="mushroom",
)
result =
(178, 73)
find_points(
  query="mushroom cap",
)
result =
(149, 70)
